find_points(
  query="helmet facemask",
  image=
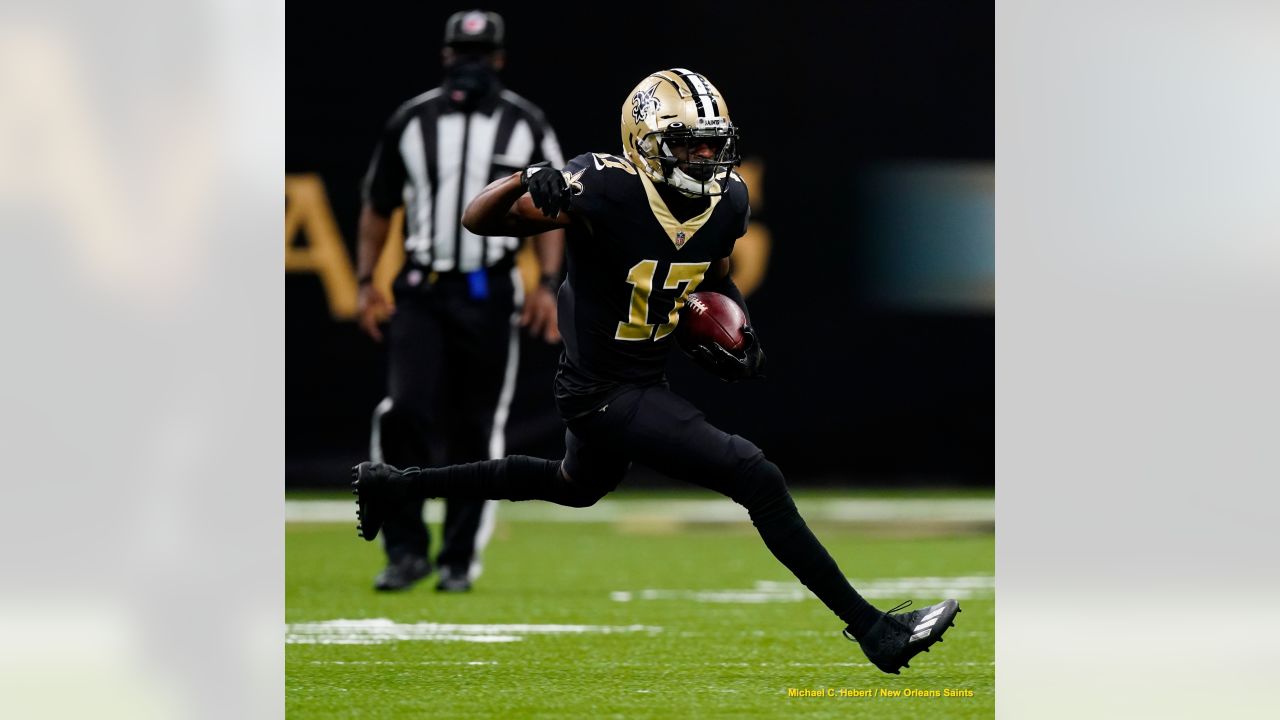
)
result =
(694, 175)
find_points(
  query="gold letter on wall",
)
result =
(307, 211)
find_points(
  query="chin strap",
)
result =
(690, 187)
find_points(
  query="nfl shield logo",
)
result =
(680, 239)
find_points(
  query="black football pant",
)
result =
(451, 376)
(658, 428)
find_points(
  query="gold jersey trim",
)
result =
(680, 233)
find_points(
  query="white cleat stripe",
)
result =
(918, 635)
(926, 624)
(934, 614)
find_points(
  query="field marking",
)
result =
(404, 662)
(767, 591)
(377, 631)
(952, 510)
(933, 662)
(960, 663)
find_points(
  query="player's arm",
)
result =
(728, 365)
(529, 202)
(719, 279)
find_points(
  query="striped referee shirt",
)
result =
(434, 159)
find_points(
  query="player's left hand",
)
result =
(755, 353)
(730, 366)
(539, 314)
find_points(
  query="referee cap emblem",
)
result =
(476, 29)
(474, 22)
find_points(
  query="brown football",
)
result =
(711, 317)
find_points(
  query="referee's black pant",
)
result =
(451, 376)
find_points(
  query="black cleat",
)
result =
(894, 639)
(453, 580)
(402, 574)
(377, 487)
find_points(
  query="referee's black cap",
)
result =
(474, 30)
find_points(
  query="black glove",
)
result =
(730, 366)
(546, 187)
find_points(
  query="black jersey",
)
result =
(631, 264)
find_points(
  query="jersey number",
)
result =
(640, 278)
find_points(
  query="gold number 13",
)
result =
(640, 277)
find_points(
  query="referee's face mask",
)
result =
(469, 77)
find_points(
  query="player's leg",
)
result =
(587, 473)
(401, 431)
(592, 467)
(482, 359)
(672, 436)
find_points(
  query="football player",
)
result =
(644, 230)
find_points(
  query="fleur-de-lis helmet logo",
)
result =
(644, 104)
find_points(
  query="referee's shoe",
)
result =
(402, 574)
(894, 639)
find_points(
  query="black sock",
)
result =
(515, 477)
(789, 539)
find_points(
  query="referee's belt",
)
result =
(427, 277)
(502, 267)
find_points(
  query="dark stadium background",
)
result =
(865, 387)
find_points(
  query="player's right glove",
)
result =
(546, 187)
(731, 366)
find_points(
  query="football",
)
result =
(711, 317)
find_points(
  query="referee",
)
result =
(453, 336)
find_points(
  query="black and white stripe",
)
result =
(443, 158)
(708, 107)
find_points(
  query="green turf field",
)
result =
(629, 619)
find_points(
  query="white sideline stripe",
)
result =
(975, 510)
(376, 631)
(973, 586)
(963, 663)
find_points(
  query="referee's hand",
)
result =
(372, 308)
(539, 315)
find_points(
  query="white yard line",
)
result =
(955, 510)
(404, 662)
(377, 631)
(766, 591)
